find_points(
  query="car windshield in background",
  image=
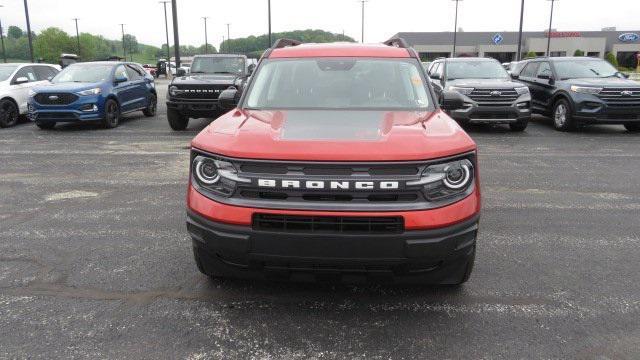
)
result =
(339, 83)
(218, 65)
(475, 70)
(569, 69)
(83, 74)
(6, 71)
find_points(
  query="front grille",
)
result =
(621, 97)
(493, 97)
(56, 116)
(201, 92)
(328, 224)
(55, 98)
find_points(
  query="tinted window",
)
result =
(218, 65)
(121, 72)
(45, 72)
(84, 73)
(437, 70)
(475, 70)
(544, 69)
(339, 83)
(530, 70)
(133, 73)
(6, 71)
(584, 69)
(27, 72)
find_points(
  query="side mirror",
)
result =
(434, 76)
(120, 79)
(623, 75)
(451, 100)
(227, 98)
(21, 80)
(515, 76)
(544, 76)
(181, 72)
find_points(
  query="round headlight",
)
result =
(457, 176)
(207, 172)
(173, 90)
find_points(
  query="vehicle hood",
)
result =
(604, 82)
(66, 87)
(204, 79)
(327, 135)
(485, 83)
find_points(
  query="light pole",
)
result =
(206, 40)
(77, 36)
(269, 15)
(228, 39)
(455, 30)
(176, 37)
(4, 53)
(124, 48)
(519, 54)
(549, 33)
(362, 34)
(166, 28)
(26, 14)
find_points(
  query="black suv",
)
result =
(577, 90)
(196, 95)
(489, 93)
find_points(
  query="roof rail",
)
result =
(397, 42)
(281, 43)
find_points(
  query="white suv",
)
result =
(15, 82)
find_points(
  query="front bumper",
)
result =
(590, 109)
(475, 113)
(86, 108)
(194, 108)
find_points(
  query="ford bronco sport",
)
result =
(336, 164)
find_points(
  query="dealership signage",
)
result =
(497, 39)
(563, 34)
(629, 37)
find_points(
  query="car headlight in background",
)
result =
(447, 181)
(32, 93)
(174, 91)
(461, 90)
(215, 175)
(586, 89)
(94, 91)
(522, 90)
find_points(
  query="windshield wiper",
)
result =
(224, 72)
(198, 72)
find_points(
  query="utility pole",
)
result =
(363, 2)
(166, 27)
(549, 33)
(4, 53)
(519, 53)
(455, 30)
(222, 44)
(176, 37)
(269, 15)
(77, 36)
(26, 14)
(124, 47)
(228, 39)
(206, 40)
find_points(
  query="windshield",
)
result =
(475, 70)
(218, 65)
(584, 69)
(84, 74)
(338, 83)
(6, 71)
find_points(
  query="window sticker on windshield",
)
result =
(416, 80)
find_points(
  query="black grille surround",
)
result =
(406, 197)
(55, 98)
(199, 92)
(621, 98)
(494, 97)
(328, 224)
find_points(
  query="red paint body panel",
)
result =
(403, 136)
(340, 50)
(414, 220)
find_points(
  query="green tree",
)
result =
(611, 59)
(51, 43)
(578, 53)
(15, 32)
(531, 54)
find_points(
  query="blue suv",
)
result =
(97, 91)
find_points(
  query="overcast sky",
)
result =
(145, 18)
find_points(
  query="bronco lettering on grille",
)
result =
(329, 185)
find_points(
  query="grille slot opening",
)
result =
(328, 224)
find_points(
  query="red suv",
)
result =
(335, 163)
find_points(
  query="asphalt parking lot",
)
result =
(95, 260)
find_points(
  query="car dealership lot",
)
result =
(95, 260)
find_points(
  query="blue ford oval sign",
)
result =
(497, 39)
(629, 37)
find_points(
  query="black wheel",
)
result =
(150, 110)
(632, 127)
(518, 126)
(200, 257)
(46, 125)
(562, 116)
(8, 113)
(177, 121)
(111, 114)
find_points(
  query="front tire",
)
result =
(519, 126)
(150, 110)
(562, 116)
(177, 121)
(8, 113)
(111, 114)
(632, 127)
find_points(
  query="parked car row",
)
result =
(573, 91)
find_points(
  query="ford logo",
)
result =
(495, 93)
(629, 37)
(53, 97)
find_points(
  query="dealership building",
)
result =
(503, 45)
